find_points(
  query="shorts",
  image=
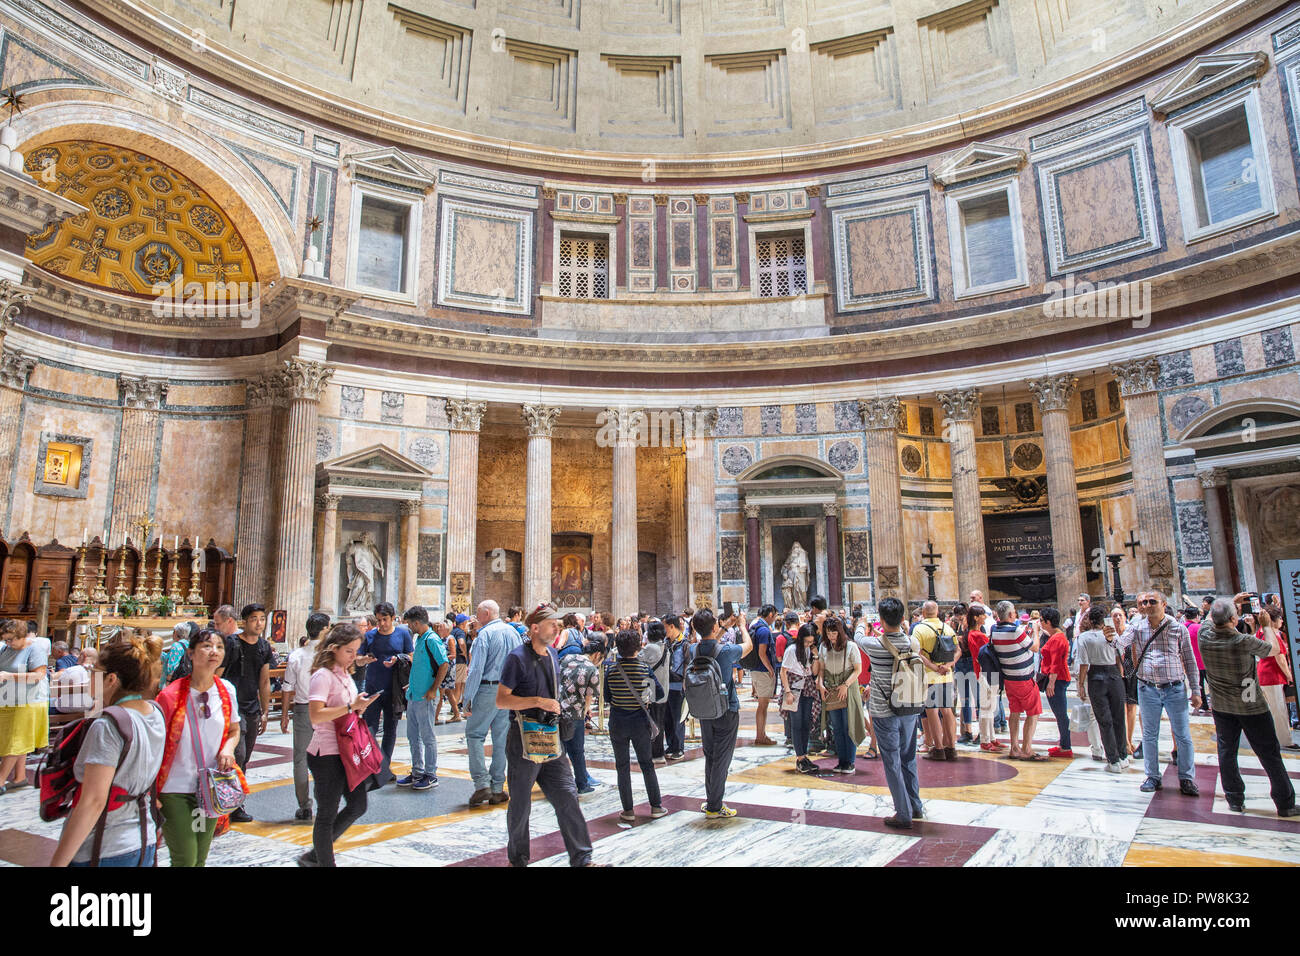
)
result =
(764, 684)
(462, 672)
(941, 696)
(1023, 697)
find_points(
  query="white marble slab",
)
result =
(1027, 848)
(1211, 838)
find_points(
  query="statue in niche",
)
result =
(794, 578)
(364, 565)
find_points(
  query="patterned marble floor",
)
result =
(980, 811)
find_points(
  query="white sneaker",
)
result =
(1116, 767)
(1125, 763)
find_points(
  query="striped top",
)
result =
(618, 694)
(1014, 648)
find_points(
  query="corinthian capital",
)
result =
(1053, 391)
(303, 379)
(11, 302)
(699, 422)
(540, 419)
(1213, 478)
(261, 392)
(15, 366)
(144, 393)
(464, 415)
(412, 506)
(879, 412)
(1136, 376)
(960, 404)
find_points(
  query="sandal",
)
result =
(1036, 758)
(871, 754)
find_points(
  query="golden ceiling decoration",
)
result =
(145, 225)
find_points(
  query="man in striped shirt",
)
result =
(1016, 648)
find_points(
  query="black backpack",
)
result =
(945, 648)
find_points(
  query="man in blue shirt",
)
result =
(495, 640)
(764, 677)
(530, 689)
(379, 649)
(428, 668)
(718, 737)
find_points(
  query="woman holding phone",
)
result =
(333, 694)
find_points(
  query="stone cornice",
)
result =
(257, 79)
(289, 299)
(27, 207)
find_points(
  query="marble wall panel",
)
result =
(204, 499)
(1203, 365)
(1252, 348)
(1278, 386)
(990, 458)
(1088, 447)
(936, 527)
(205, 396)
(43, 516)
(1099, 204)
(69, 382)
(1279, 348)
(939, 456)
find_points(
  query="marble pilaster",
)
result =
(410, 551)
(327, 575)
(540, 421)
(623, 587)
(835, 592)
(15, 367)
(880, 422)
(304, 381)
(465, 419)
(677, 530)
(960, 406)
(1212, 483)
(136, 451)
(255, 503)
(1155, 517)
(1053, 393)
(753, 560)
(701, 511)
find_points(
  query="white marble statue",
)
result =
(364, 565)
(794, 578)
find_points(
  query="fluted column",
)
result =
(880, 422)
(753, 564)
(410, 550)
(677, 529)
(278, 392)
(835, 593)
(540, 421)
(465, 419)
(1155, 517)
(972, 565)
(624, 590)
(15, 367)
(701, 514)
(1053, 393)
(255, 506)
(1211, 482)
(327, 573)
(304, 383)
(133, 478)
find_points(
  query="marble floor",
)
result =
(980, 810)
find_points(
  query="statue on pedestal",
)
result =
(794, 578)
(364, 564)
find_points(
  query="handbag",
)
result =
(219, 792)
(830, 702)
(654, 728)
(358, 750)
(541, 738)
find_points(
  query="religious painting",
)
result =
(279, 626)
(58, 465)
(62, 465)
(571, 570)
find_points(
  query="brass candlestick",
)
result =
(101, 595)
(156, 592)
(120, 593)
(144, 523)
(79, 595)
(174, 592)
(194, 597)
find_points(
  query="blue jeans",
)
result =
(419, 732)
(485, 715)
(844, 749)
(1062, 713)
(576, 748)
(800, 725)
(1172, 700)
(896, 740)
(125, 859)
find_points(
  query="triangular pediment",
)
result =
(375, 462)
(1207, 75)
(978, 160)
(391, 166)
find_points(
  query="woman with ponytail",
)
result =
(111, 781)
(202, 717)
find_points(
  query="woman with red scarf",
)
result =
(201, 733)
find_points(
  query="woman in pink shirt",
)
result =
(331, 694)
(1193, 628)
(1274, 674)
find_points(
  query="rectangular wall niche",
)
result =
(63, 465)
(571, 570)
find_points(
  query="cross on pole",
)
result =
(1132, 544)
(929, 554)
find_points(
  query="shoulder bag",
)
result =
(219, 792)
(541, 738)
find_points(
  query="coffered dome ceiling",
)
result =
(145, 223)
(662, 77)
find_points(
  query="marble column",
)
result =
(540, 421)
(304, 383)
(1053, 393)
(327, 573)
(136, 452)
(410, 551)
(753, 560)
(1155, 516)
(15, 367)
(701, 512)
(960, 407)
(624, 589)
(278, 400)
(255, 504)
(835, 594)
(889, 559)
(680, 563)
(465, 418)
(1211, 482)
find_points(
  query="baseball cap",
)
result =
(543, 612)
(462, 618)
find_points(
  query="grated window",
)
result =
(583, 267)
(782, 265)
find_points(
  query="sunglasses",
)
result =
(1148, 602)
(203, 702)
